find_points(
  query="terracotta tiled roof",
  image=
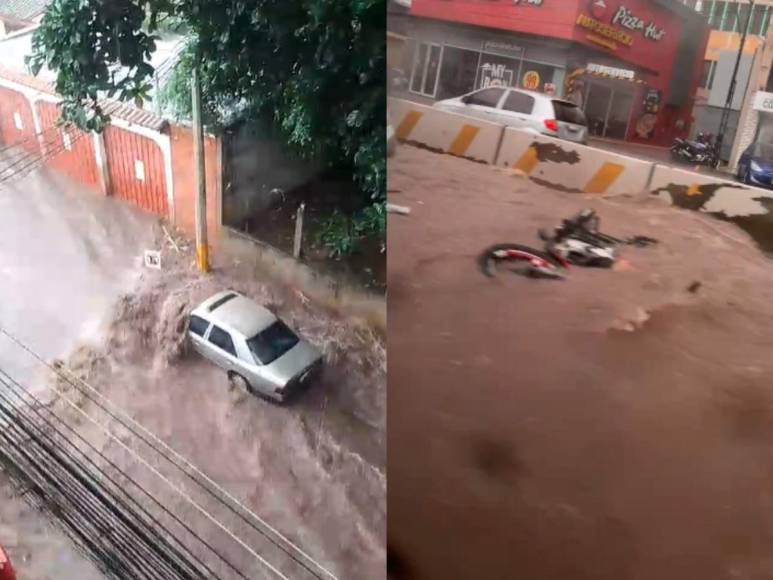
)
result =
(124, 111)
(23, 9)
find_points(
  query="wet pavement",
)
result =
(661, 155)
(615, 425)
(65, 256)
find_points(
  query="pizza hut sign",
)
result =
(624, 17)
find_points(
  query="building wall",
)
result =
(555, 37)
(14, 109)
(185, 189)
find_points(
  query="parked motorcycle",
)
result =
(702, 151)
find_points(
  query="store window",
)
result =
(457, 74)
(426, 64)
(707, 76)
(496, 71)
(534, 76)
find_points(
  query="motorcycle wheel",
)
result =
(519, 259)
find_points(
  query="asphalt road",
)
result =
(65, 256)
(614, 425)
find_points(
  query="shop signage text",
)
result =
(504, 47)
(610, 71)
(763, 101)
(495, 75)
(604, 30)
(626, 18)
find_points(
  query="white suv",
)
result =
(520, 109)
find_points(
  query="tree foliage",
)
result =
(317, 67)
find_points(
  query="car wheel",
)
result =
(237, 381)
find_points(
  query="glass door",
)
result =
(597, 103)
(619, 114)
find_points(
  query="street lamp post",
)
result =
(725, 118)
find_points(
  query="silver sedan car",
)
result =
(259, 352)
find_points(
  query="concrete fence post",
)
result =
(298, 242)
(100, 155)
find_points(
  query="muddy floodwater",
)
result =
(66, 255)
(614, 425)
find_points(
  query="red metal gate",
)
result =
(70, 151)
(17, 126)
(136, 169)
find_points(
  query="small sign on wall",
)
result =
(763, 101)
(17, 121)
(153, 259)
(139, 170)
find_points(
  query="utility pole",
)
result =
(725, 119)
(202, 250)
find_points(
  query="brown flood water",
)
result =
(610, 426)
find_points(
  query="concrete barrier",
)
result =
(445, 132)
(572, 167)
(710, 194)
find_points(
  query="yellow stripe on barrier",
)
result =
(407, 124)
(603, 178)
(528, 161)
(463, 139)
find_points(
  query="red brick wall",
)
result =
(185, 191)
(12, 102)
(123, 150)
(79, 162)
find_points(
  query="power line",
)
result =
(171, 455)
(67, 483)
(29, 161)
(144, 462)
(25, 396)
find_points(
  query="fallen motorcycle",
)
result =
(576, 241)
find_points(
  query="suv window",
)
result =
(485, 98)
(569, 113)
(222, 339)
(519, 103)
(198, 325)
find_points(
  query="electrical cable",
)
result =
(126, 421)
(15, 388)
(170, 484)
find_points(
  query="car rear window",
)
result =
(569, 113)
(485, 98)
(519, 102)
(198, 325)
(220, 301)
(271, 343)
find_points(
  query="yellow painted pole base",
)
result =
(202, 257)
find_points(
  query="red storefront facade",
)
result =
(633, 65)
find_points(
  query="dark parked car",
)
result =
(755, 167)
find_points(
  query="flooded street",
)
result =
(65, 256)
(314, 471)
(614, 425)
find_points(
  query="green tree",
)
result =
(316, 67)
